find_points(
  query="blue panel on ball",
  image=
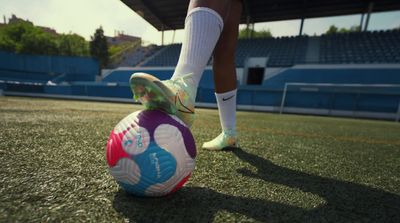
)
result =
(132, 189)
(156, 166)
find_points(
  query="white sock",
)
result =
(227, 110)
(203, 27)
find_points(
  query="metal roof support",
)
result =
(162, 35)
(252, 31)
(304, 11)
(248, 27)
(301, 27)
(173, 36)
(370, 8)
(361, 22)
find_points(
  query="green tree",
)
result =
(99, 47)
(15, 31)
(73, 45)
(6, 43)
(254, 34)
(332, 29)
(263, 33)
(38, 42)
(24, 37)
(245, 33)
(355, 28)
(11, 35)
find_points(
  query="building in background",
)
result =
(121, 38)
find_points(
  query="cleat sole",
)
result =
(146, 90)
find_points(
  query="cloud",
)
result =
(78, 16)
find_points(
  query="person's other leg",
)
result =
(224, 68)
(203, 26)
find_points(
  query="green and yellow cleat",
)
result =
(227, 139)
(172, 96)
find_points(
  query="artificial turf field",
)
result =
(290, 169)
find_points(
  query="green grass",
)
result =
(290, 168)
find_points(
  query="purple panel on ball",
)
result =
(151, 119)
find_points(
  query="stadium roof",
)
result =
(170, 14)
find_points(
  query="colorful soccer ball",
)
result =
(151, 153)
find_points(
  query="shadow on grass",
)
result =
(345, 201)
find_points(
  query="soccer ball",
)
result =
(151, 153)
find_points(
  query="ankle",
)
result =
(230, 132)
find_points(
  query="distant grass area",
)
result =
(290, 168)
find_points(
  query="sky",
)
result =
(84, 16)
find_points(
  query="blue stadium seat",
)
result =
(360, 47)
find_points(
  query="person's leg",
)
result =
(225, 79)
(203, 26)
(224, 66)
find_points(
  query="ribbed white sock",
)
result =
(227, 110)
(203, 27)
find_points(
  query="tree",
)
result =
(332, 29)
(11, 35)
(99, 47)
(254, 34)
(263, 33)
(6, 43)
(24, 37)
(73, 45)
(38, 42)
(355, 28)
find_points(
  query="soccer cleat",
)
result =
(172, 96)
(225, 140)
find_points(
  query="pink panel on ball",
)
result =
(115, 151)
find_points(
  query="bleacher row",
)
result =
(341, 48)
(137, 56)
(356, 47)
(282, 52)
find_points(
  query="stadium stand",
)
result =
(345, 58)
(140, 54)
(360, 47)
(136, 57)
(341, 48)
(350, 74)
(41, 69)
(284, 51)
(167, 56)
(337, 73)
